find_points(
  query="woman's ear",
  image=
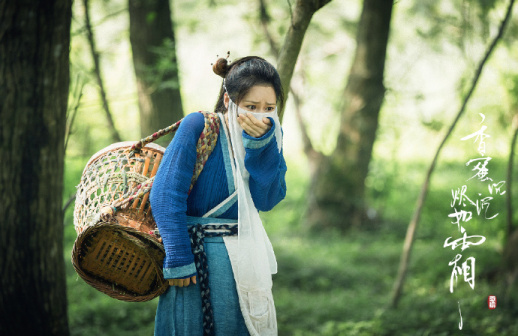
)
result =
(226, 100)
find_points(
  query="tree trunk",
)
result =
(156, 68)
(97, 71)
(300, 19)
(34, 79)
(314, 156)
(337, 197)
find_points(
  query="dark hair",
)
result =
(244, 73)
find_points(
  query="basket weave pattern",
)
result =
(124, 264)
(116, 250)
(110, 178)
(116, 254)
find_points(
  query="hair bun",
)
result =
(220, 68)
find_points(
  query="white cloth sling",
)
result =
(251, 253)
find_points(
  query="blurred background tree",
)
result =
(337, 194)
(98, 73)
(153, 48)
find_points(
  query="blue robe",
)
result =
(179, 308)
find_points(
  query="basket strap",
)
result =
(139, 144)
(206, 144)
(137, 192)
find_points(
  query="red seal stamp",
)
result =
(491, 302)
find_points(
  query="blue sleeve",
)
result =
(168, 197)
(267, 170)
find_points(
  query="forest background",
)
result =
(338, 258)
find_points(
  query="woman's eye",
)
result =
(251, 107)
(269, 109)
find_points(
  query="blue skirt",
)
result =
(179, 308)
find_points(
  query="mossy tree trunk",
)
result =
(337, 195)
(155, 63)
(34, 79)
(301, 16)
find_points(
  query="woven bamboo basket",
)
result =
(116, 250)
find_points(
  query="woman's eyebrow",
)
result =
(254, 102)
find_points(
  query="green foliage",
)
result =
(461, 21)
(330, 284)
(150, 18)
(162, 74)
(512, 85)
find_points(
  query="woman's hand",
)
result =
(182, 282)
(252, 126)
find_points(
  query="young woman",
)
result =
(219, 260)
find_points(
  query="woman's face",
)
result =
(260, 98)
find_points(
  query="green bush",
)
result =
(331, 284)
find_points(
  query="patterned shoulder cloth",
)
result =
(206, 143)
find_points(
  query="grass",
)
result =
(330, 284)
